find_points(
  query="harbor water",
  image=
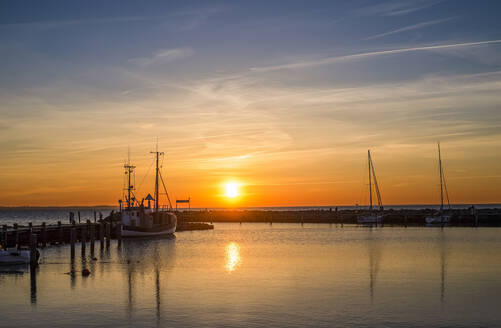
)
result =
(262, 275)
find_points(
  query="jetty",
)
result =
(404, 217)
(102, 231)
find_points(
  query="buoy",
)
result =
(85, 272)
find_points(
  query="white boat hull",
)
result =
(132, 233)
(369, 219)
(13, 257)
(437, 219)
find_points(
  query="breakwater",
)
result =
(415, 217)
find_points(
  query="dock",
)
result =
(58, 234)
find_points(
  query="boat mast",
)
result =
(378, 194)
(441, 179)
(130, 169)
(157, 154)
(370, 182)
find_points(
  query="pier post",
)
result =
(72, 242)
(5, 237)
(33, 249)
(60, 230)
(83, 239)
(30, 226)
(16, 235)
(118, 233)
(78, 216)
(95, 216)
(101, 234)
(92, 239)
(44, 235)
(108, 234)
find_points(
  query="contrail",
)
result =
(330, 60)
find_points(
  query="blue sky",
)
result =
(238, 85)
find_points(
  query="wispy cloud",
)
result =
(49, 24)
(163, 56)
(397, 8)
(335, 59)
(411, 27)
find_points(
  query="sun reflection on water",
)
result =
(233, 258)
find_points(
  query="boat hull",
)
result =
(128, 232)
(370, 219)
(437, 219)
(14, 257)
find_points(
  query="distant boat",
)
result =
(145, 221)
(440, 217)
(373, 217)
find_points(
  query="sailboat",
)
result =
(440, 217)
(139, 220)
(372, 217)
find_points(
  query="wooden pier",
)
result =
(85, 233)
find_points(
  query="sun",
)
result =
(231, 190)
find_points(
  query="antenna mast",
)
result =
(129, 171)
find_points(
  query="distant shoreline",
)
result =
(271, 208)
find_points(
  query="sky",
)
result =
(281, 98)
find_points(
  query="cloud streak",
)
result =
(335, 59)
(163, 56)
(410, 28)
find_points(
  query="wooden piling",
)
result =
(44, 235)
(118, 233)
(72, 242)
(60, 232)
(5, 237)
(92, 239)
(33, 249)
(101, 234)
(78, 216)
(108, 234)
(83, 239)
(16, 235)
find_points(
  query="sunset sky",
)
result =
(282, 98)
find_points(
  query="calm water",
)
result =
(257, 275)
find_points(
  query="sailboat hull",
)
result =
(440, 219)
(370, 219)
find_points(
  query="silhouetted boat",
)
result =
(440, 217)
(146, 221)
(373, 217)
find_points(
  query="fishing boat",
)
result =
(440, 217)
(372, 217)
(139, 220)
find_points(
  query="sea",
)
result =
(262, 275)
(51, 215)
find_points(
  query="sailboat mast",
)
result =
(370, 181)
(157, 172)
(441, 179)
(156, 182)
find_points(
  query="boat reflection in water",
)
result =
(147, 259)
(375, 253)
(233, 259)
